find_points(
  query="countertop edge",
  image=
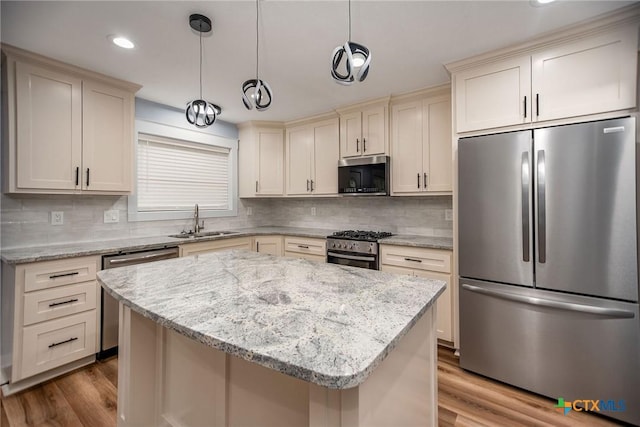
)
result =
(429, 242)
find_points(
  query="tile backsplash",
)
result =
(25, 219)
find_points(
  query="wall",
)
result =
(400, 215)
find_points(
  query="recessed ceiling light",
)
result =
(122, 42)
(541, 2)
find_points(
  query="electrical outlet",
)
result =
(448, 214)
(313, 211)
(57, 218)
(111, 216)
(249, 211)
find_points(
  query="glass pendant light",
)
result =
(199, 112)
(256, 92)
(357, 60)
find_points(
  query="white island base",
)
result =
(167, 379)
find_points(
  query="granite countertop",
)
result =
(108, 247)
(431, 242)
(323, 323)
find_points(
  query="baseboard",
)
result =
(12, 388)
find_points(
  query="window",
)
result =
(177, 168)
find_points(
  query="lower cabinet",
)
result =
(268, 245)
(50, 319)
(430, 264)
(214, 246)
(305, 247)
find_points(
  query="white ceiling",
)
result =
(409, 40)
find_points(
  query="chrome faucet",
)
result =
(196, 220)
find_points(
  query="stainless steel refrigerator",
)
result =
(548, 259)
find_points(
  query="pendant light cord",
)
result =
(201, 61)
(257, 42)
(349, 21)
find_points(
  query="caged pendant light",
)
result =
(256, 92)
(199, 112)
(357, 58)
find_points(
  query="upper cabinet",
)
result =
(421, 138)
(68, 130)
(558, 80)
(312, 154)
(261, 159)
(364, 129)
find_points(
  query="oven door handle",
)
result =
(353, 257)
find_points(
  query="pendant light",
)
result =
(355, 55)
(256, 92)
(199, 112)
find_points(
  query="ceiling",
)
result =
(409, 40)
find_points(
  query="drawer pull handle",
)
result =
(63, 302)
(413, 260)
(55, 276)
(55, 344)
(303, 246)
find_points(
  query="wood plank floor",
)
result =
(87, 397)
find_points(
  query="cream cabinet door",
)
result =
(269, 162)
(406, 147)
(268, 245)
(351, 134)
(373, 131)
(299, 159)
(494, 95)
(590, 76)
(49, 128)
(107, 138)
(326, 154)
(437, 157)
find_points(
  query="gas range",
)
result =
(355, 248)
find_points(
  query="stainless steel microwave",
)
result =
(364, 176)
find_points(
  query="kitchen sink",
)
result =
(192, 235)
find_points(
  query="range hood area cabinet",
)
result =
(562, 78)
(261, 159)
(312, 155)
(421, 156)
(364, 129)
(69, 130)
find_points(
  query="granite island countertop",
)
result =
(323, 323)
(28, 254)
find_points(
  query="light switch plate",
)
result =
(313, 211)
(249, 211)
(111, 216)
(448, 214)
(57, 218)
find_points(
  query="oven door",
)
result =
(363, 261)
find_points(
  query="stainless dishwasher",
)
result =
(109, 316)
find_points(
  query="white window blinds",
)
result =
(174, 175)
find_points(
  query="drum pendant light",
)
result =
(256, 92)
(356, 58)
(199, 112)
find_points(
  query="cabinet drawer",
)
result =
(57, 302)
(48, 274)
(306, 246)
(416, 258)
(51, 344)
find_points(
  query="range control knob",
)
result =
(370, 249)
(333, 245)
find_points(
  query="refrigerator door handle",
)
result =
(542, 302)
(525, 179)
(542, 219)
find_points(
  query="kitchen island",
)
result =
(241, 338)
